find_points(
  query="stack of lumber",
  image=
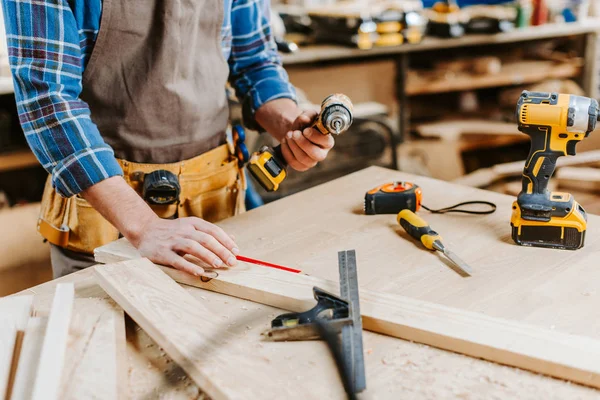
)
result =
(34, 360)
(186, 329)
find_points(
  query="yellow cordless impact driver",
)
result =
(555, 123)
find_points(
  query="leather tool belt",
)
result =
(212, 188)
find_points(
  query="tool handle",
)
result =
(416, 227)
(541, 163)
(279, 155)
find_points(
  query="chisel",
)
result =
(416, 227)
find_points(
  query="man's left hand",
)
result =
(303, 146)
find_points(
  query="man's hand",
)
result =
(303, 147)
(167, 241)
(163, 241)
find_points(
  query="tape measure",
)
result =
(391, 198)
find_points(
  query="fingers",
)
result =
(300, 157)
(305, 119)
(312, 150)
(219, 234)
(323, 141)
(205, 249)
(180, 263)
(290, 158)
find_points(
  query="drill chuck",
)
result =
(336, 114)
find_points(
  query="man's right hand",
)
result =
(164, 241)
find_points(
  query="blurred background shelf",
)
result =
(6, 85)
(324, 52)
(515, 73)
(17, 160)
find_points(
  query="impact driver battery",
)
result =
(562, 232)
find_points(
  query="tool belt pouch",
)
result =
(212, 188)
(72, 223)
(212, 194)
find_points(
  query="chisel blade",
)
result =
(456, 260)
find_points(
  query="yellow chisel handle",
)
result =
(416, 227)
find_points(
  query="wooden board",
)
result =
(192, 335)
(17, 159)
(52, 357)
(93, 366)
(14, 316)
(502, 341)
(29, 358)
(8, 338)
(487, 176)
(579, 178)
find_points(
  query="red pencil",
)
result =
(266, 264)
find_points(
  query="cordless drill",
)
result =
(268, 166)
(555, 123)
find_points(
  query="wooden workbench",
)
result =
(550, 288)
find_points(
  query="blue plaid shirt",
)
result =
(50, 43)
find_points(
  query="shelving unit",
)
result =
(321, 55)
(6, 85)
(516, 73)
(17, 160)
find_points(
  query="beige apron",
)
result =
(155, 85)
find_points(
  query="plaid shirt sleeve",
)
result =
(255, 66)
(46, 60)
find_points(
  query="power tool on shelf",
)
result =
(555, 123)
(268, 166)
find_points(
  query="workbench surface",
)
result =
(549, 288)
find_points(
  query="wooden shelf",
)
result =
(6, 85)
(317, 53)
(17, 160)
(516, 73)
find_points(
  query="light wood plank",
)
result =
(17, 309)
(8, 338)
(96, 337)
(29, 359)
(52, 357)
(15, 312)
(193, 336)
(486, 176)
(579, 178)
(507, 342)
(18, 159)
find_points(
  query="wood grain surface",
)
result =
(547, 288)
(569, 357)
(52, 356)
(93, 367)
(194, 336)
(14, 316)
(29, 358)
